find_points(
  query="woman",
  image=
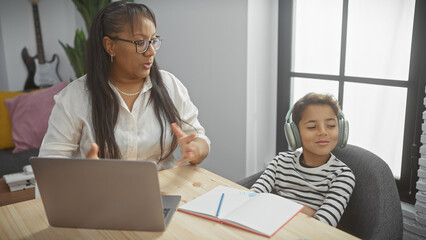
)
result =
(125, 107)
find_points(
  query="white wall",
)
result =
(262, 51)
(226, 59)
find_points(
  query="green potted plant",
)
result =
(76, 54)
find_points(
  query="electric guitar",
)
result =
(40, 72)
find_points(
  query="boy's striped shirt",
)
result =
(326, 188)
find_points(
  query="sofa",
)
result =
(14, 162)
(23, 123)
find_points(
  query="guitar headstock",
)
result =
(33, 1)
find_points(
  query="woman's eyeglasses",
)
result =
(143, 45)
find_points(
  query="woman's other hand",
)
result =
(93, 153)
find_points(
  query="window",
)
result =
(364, 53)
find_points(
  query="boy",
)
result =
(313, 177)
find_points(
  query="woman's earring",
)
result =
(112, 58)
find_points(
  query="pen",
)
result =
(220, 204)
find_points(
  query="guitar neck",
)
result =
(40, 49)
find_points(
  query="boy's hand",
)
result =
(308, 211)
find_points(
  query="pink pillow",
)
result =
(29, 114)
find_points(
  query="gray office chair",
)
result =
(374, 210)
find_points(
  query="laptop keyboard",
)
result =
(166, 211)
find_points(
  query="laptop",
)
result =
(103, 194)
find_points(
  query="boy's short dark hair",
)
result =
(313, 99)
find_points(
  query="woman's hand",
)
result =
(193, 150)
(93, 153)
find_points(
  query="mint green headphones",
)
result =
(293, 136)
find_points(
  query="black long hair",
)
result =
(109, 20)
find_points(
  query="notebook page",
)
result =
(208, 203)
(266, 213)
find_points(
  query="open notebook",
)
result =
(262, 213)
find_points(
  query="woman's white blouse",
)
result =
(70, 132)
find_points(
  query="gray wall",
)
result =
(4, 84)
(205, 46)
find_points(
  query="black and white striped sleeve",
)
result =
(337, 198)
(266, 181)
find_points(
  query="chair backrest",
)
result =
(374, 210)
(250, 180)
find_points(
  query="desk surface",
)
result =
(27, 220)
